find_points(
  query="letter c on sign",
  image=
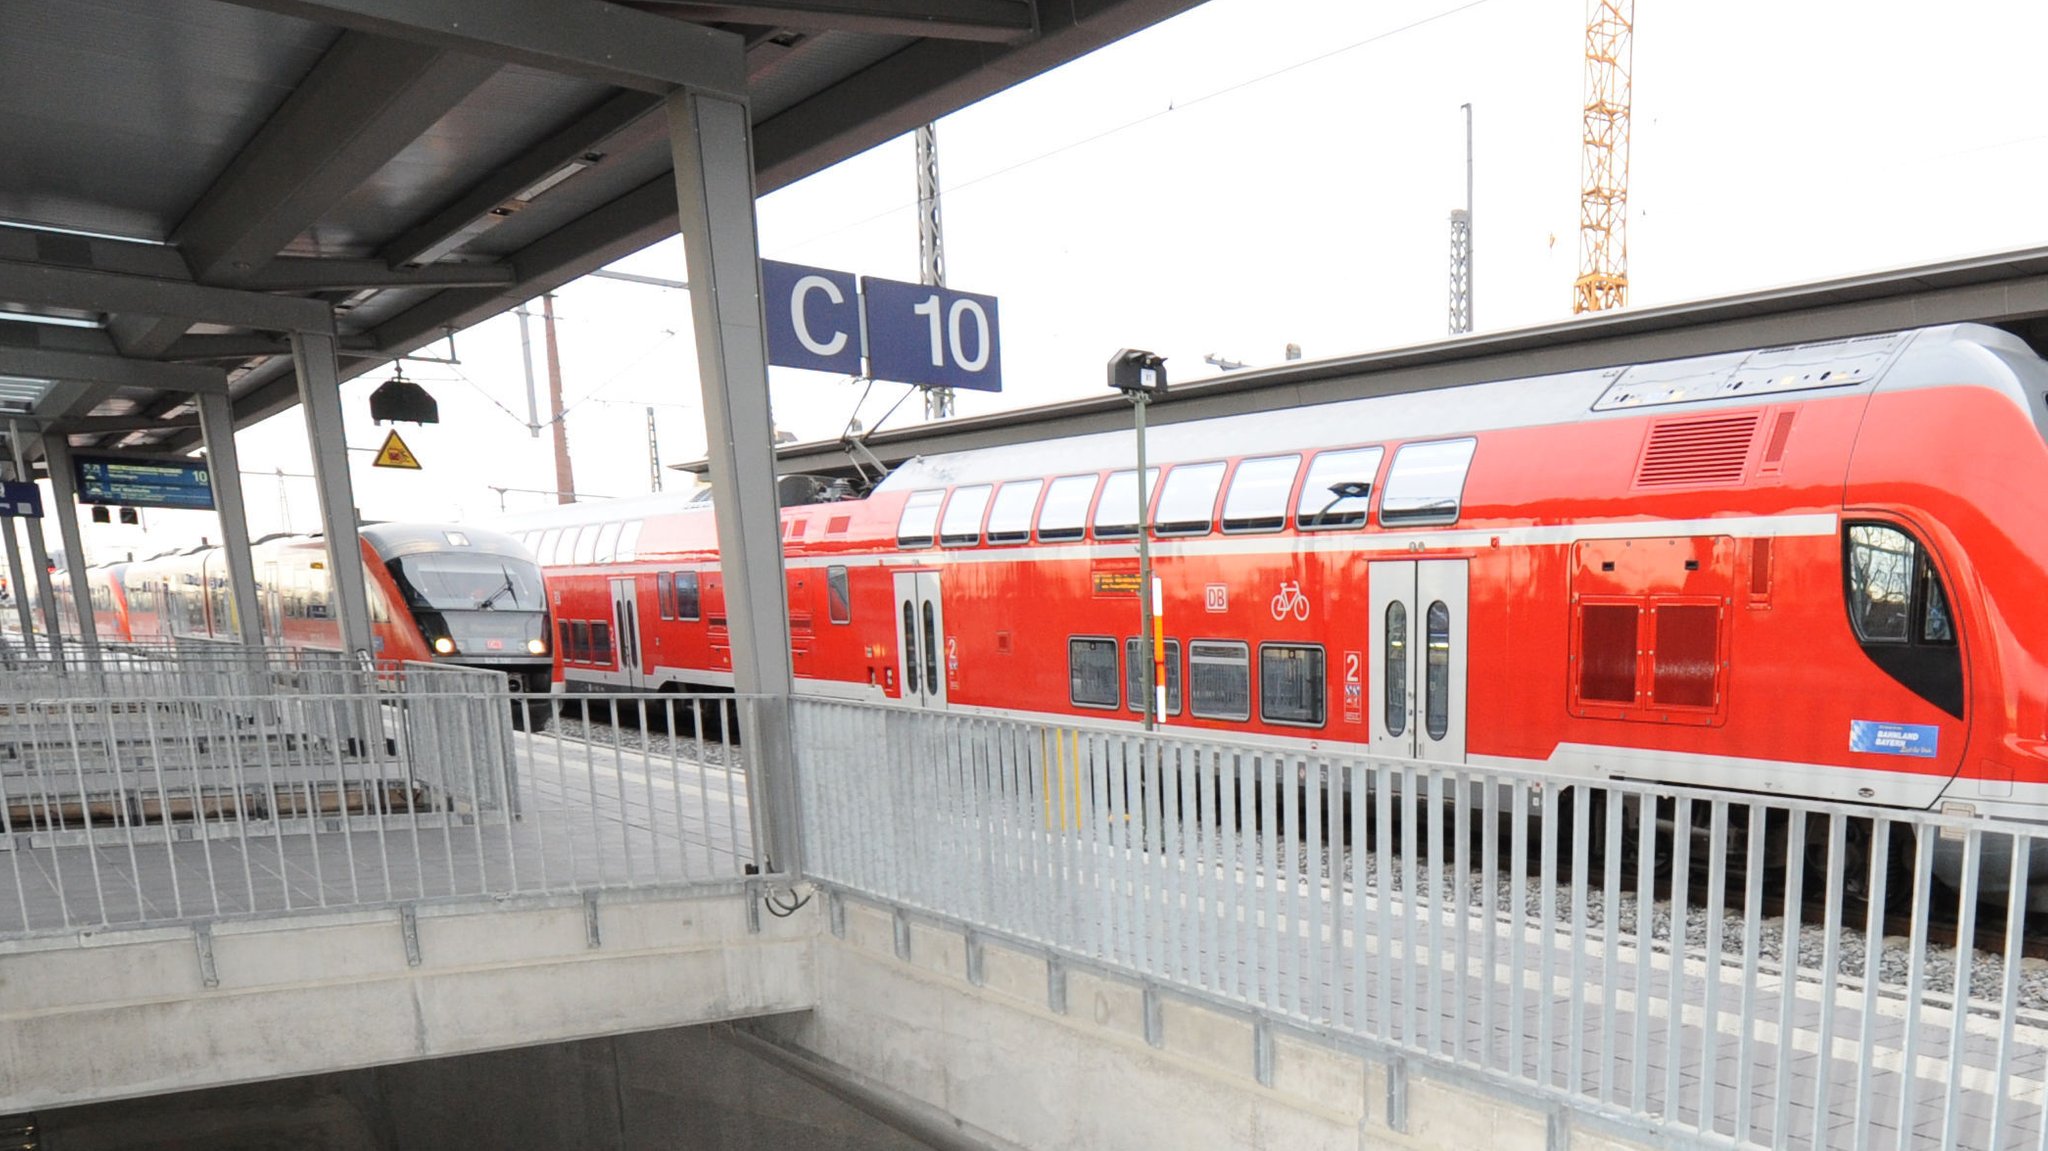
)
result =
(806, 285)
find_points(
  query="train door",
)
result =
(1417, 660)
(626, 625)
(924, 662)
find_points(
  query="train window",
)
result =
(1396, 703)
(586, 544)
(600, 641)
(1220, 680)
(563, 642)
(1065, 514)
(545, 552)
(1436, 670)
(1338, 488)
(1091, 672)
(838, 597)
(1258, 494)
(1901, 613)
(629, 541)
(1291, 684)
(607, 544)
(1116, 514)
(962, 525)
(1187, 504)
(664, 592)
(579, 641)
(685, 586)
(1009, 521)
(1137, 667)
(1426, 482)
(920, 516)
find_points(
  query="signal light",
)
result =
(130, 516)
(445, 646)
(100, 514)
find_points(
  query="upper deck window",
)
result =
(629, 541)
(962, 525)
(1426, 483)
(608, 543)
(1187, 504)
(1258, 494)
(1009, 522)
(586, 544)
(1065, 514)
(1116, 514)
(920, 517)
(1338, 488)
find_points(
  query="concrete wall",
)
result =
(130, 1013)
(685, 1089)
(1009, 1069)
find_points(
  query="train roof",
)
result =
(1921, 358)
(394, 540)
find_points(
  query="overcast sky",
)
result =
(1260, 172)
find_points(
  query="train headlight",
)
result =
(537, 646)
(445, 646)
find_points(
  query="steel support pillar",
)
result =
(320, 396)
(223, 468)
(19, 586)
(714, 165)
(64, 493)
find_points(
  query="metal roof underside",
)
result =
(194, 179)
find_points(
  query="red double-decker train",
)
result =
(1811, 571)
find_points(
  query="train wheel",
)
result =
(1861, 864)
(532, 715)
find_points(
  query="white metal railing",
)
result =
(1626, 948)
(239, 785)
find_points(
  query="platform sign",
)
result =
(813, 317)
(143, 481)
(20, 498)
(919, 334)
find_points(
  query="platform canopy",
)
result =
(197, 180)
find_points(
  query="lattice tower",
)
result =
(1603, 200)
(931, 247)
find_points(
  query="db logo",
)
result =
(1217, 597)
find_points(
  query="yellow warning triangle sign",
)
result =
(394, 454)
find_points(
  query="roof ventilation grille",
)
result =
(1710, 450)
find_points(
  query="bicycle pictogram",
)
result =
(1290, 599)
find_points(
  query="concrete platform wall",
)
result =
(1118, 1069)
(132, 1013)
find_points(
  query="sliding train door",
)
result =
(626, 625)
(922, 665)
(1417, 659)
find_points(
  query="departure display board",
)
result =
(143, 481)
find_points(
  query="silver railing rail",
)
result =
(1699, 959)
(165, 794)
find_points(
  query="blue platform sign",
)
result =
(1919, 740)
(919, 334)
(813, 317)
(143, 481)
(20, 498)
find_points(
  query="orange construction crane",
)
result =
(1603, 198)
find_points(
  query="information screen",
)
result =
(138, 481)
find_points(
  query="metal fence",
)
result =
(255, 783)
(1759, 971)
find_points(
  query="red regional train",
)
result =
(438, 593)
(1809, 571)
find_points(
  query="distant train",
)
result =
(438, 593)
(1816, 571)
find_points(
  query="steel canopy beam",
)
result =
(238, 348)
(91, 290)
(118, 371)
(993, 21)
(589, 38)
(304, 274)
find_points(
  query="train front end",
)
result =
(475, 595)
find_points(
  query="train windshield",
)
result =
(445, 581)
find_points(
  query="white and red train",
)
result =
(438, 593)
(1812, 571)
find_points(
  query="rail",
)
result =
(1699, 959)
(237, 785)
